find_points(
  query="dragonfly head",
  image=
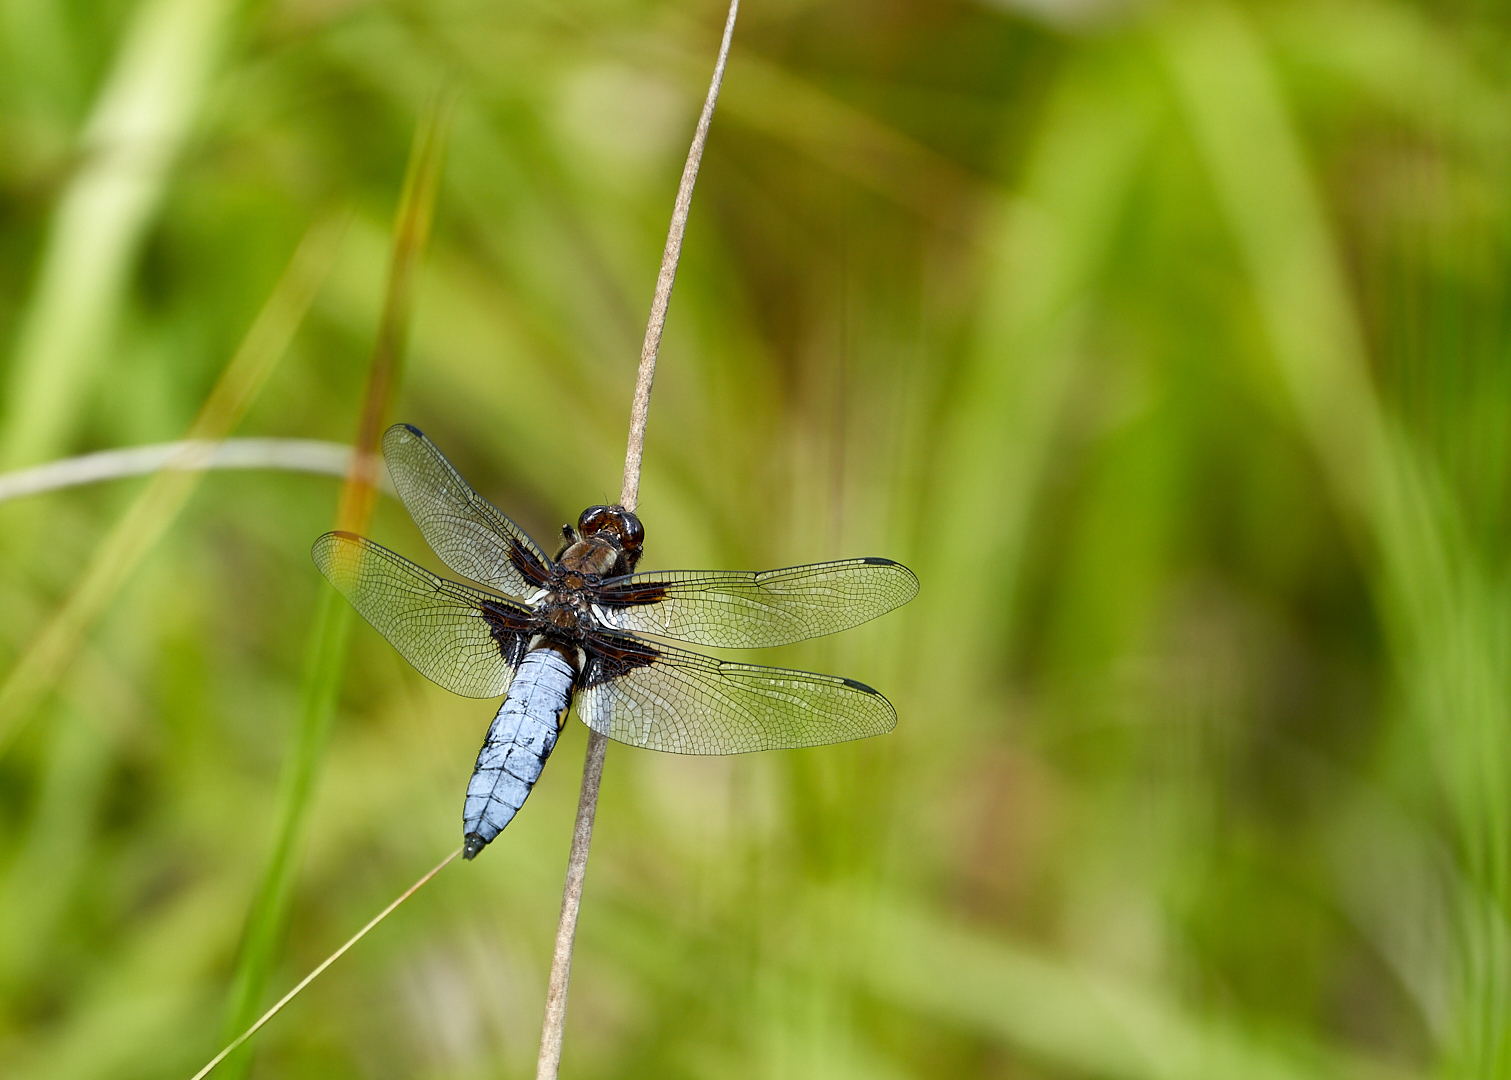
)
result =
(618, 526)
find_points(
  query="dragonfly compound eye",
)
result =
(631, 532)
(594, 520)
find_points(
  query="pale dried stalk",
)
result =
(327, 962)
(571, 899)
(187, 455)
(630, 493)
(592, 770)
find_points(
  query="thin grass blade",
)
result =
(327, 962)
(326, 666)
(142, 118)
(149, 517)
(1445, 621)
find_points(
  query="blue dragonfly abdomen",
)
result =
(519, 741)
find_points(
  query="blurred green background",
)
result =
(1168, 343)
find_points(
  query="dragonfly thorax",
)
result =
(591, 557)
(568, 612)
(566, 608)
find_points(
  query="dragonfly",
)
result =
(585, 628)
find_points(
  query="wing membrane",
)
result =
(647, 694)
(470, 534)
(736, 610)
(466, 640)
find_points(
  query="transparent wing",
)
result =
(466, 640)
(735, 610)
(647, 694)
(468, 532)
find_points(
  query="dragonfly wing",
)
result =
(735, 610)
(647, 694)
(470, 534)
(462, 638)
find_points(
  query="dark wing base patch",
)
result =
(464, 639)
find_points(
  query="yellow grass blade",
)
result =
(327, 962)
(154, 510)
(333, 619)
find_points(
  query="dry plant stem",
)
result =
(571, 900)
(554, 1023)
(188, 455)
(154, 510)
(327, 962)
(630, 493)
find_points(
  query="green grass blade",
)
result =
(1444, 620)
(55, 847)
(141, 120)
(324, 670)
(333, 619)
(1074, 1019)
(1046, 249)
(154, 510)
